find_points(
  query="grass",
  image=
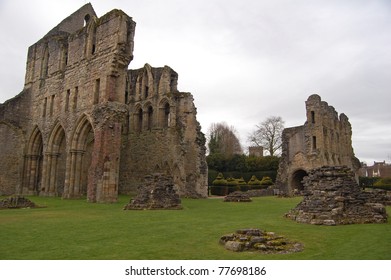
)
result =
(75, 229)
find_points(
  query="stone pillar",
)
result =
(32, 175)
(73, 176)
(104, 169)
(53, 175)
(77, 188)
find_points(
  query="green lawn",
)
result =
(75, 229)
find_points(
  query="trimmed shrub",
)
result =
(266, 181)
(254, 181)
(241, 181)
(219, 181)
(383, 183)
(232, 181)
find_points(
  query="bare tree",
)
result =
(222, 140)
(268, 134)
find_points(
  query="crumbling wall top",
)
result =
(75, 21)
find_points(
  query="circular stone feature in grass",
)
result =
(260, 241)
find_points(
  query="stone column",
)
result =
(104, 168)
(53, 174)
(73, 188)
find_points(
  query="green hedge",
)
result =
(375, 183)
(212, 174)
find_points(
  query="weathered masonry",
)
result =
(324, 140)
(85, 125)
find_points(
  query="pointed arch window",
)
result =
(45, 63)
(150, 118)
(140, 119)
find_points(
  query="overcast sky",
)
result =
(245, 60)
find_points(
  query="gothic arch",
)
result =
(90, 44)
(147, 82)
(149, 116)
(55, 162)
(138, 118)
(79, 159)
(32, 174)
(164, 113)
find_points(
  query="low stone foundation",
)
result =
(237, 196)
(332, 197)
(259, 240)
(156, 193)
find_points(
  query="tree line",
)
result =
(225, 153)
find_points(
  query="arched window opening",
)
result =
(166, 115)
(45, 63)
(64, 57)
(87, 18)
(139, 120)
(150, 118)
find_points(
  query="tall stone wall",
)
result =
(12, 141)
(76, 129)
(164, 135)
(324, 139)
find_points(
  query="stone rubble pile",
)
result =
(157, 192)
(237, 196)
(259, 240)
(332, 197)
(14, 202)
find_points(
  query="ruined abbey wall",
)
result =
(324, 140)
(86, 125)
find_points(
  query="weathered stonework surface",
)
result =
(85, 125)
(332, 197)
(157, 192)
(324, 139)
(14, 202)
(380, 196)
(237, 196)
(270, 191)
(260, 241)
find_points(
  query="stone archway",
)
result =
(55, 163)
(296, 180)
(79, 159)
(32, 174)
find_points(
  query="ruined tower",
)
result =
(85, 125)
(324, 139)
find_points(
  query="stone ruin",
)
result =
(156, 193)
(16, 202)
(332, 197)
(325, 139)
(86, 125)
(237, 196)
(260, 241)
